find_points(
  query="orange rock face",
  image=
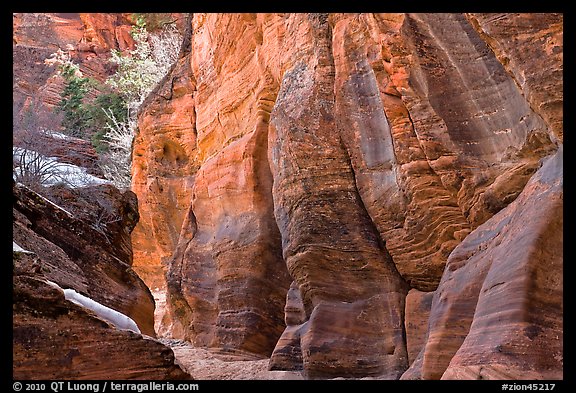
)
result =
(163, 174)
(349, 154)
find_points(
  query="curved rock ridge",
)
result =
(163, 174)
(416, 317)
(313, 183)
(91, 254)
(347, 154)
(54, 338)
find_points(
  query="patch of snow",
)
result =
(17, 248)
(29, 155)
(116, 318)
(53, 284)
(54, 172)
(75, 176)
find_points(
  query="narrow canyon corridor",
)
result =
(367, 196)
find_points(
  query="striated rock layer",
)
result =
(530, 47)
(54, 338)
(497, 313)
(163, 174)
(347, 154)
(416, 316)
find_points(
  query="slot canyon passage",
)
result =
(314, 196)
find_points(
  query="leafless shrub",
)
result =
(136, 77)
(165, 47)
(103, 219)
(29, 166)
(33, 169)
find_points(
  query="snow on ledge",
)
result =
(55, 205)
(59, 135)
(121, 321)
(53, 171)
(17, 248)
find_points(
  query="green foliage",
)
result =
(111, 101)
(99, 121)
(109, 120)
(86, 119)
(98, 140)
(76, 118)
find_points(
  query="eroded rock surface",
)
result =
(82, 242)
(163, 174)
(497, 313)
(349, 154)
(416, 316)
(530, 47)
(56, 339)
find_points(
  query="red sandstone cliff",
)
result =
(90, 37)
(354, 156)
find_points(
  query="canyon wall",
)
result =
(350, 157)
(349, 195)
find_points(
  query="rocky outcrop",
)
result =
(233, 306)
(88, 252)
(349, 154)
(287, 354)
(479, 138)
(88, 38)
(163, 174)
(416, 316)
(63, 148)
(54, 338)
(530, 47)
(323, 248)
(85, 247)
